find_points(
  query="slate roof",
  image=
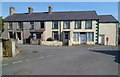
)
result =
(107, 19)
(45, 16)
(68, 15)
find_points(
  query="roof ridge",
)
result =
(106, 15)
(57, 12)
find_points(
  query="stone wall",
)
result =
(9, 48)
(52, 43)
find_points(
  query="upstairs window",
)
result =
(20, 25)
(32, 25)
(55, 35)
(42, 24)
(55, 25)
(66, 24)
(10, 25)
(77, 25)
(88, 24)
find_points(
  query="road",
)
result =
(62, 60)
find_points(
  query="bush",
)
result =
(50, 39)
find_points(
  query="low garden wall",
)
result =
(9, 48)
(52, 43)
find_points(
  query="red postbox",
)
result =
(107, 38)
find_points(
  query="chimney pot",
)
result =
(30, 10)
(50, 9)
(12, 10)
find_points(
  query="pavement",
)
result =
(63, 60)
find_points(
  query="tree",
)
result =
(2, 24)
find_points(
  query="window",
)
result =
(90, 36)
(55, 25)
(10, 34)
(77, 24)
(19, 35)
(32, 25)
(88, 24)
(55, 35)
(66, 25)
(10, 25)
(38, 36)
(76, 36)
(42, 24)
(20, 25)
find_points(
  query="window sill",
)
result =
(66, 28)
(77, 28)
(54, 28)
(88, 28)
(90, 41)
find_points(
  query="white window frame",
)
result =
(54, 24)
(88, 24)
(32, 25)
(76, 36)
(10, 25)
(77, 25)
(66, 25)
(90, 36)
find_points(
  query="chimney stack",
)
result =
(12, 10)
(49, 9)
(30, 10)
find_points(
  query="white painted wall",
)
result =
(48, 30)
(110, 30)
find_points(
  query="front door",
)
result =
(66, 37)
(101, 39)
(83, 38)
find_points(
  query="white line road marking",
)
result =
(20, 61)
(4, 64)
(27, 60)
(41, 57)
(49, 56)
(17, 62)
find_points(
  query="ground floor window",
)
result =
(19, 35)
(11, 34)
(76, 36)
(55, 35)
(38, 36)
(90, 36)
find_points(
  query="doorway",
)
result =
(101, 39)
(66, 37)
(83, 37)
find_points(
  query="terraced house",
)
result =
(69, 27)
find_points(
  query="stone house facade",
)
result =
(70, 27)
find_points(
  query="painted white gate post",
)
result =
(13, 48)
